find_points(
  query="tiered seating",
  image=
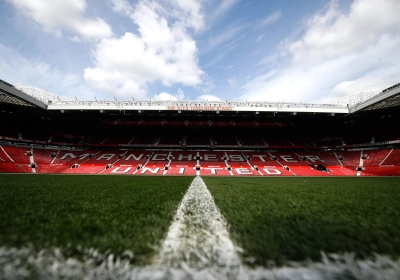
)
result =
(240, 165)
(261, 159)
(237, 160)
(158, 159)
(171, 140)
(374, 157)
(50, 168)
(133, 158)
(144, 139)
(213, 160)
(3, 156)
(393, 158)
(224, 140)
(251, 140)
(215, 171)
(183, 159)
(277, 142)
(43, 156)
(329, 142)
(342, 171)
(25, 168)
(296, 143)
(327, 158)
(279, 171)
(68, 157)
(210, 162)
(350, 158)
(65, 139)
(381, 171)
(101, 158)
(17, 154)
(198, 139)
(84, 169)
(308, 171)
(9, 167)
(290, 159)
(116, 140)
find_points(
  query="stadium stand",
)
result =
(232, 143)
(393, 158)
(384, 162)
(17, 154)
(374, 157)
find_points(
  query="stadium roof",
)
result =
(10, 95)
(389, 97)
(30, 96)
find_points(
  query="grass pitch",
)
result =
(109, 213)
(272, 219)
(294, 219)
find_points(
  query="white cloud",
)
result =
(121, 6)
(160, 52)
(222, 9)
(228, 34)
(259, 37)
(18, 69)
(208, 97)
(339, 53)
(232, 81)
(332, 34)
(167, 96)
(60, 16)
(275, 16)
(189, 12)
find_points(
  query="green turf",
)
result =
(293, 219)
(113, 213)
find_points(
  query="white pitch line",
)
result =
(198, 241)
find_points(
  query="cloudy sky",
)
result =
(267, 50)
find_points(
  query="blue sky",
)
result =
(266, 50)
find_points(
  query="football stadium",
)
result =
(199, 140)
(198, 190)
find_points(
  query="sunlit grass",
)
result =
(294, 219)
(109, 213)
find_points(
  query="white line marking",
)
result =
(198, 238)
